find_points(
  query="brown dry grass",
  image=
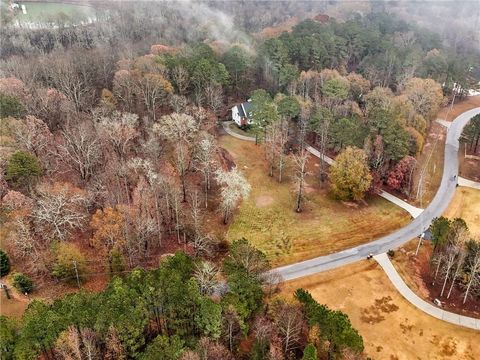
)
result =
(326, 225)
(466, 205)
(391, 327)
(467, 104)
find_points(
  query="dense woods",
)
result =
(184, 309)
(110, 163)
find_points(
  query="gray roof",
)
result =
(248, 107)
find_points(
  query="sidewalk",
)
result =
(468, 183)
(419, 303)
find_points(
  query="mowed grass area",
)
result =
(466, 205)
(47, 11)
(391, 327)
(268, 220)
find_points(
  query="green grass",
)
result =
(38, 12)
(267, 218)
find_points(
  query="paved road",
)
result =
(421, 304)
(415, 228)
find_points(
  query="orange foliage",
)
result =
(109, 229)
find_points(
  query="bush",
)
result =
(22, 168)
(391, 253)
(10, 106)
(4, 263)
(22, 283)
(68, 256)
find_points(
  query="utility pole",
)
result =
(76, 273)
(421, 217)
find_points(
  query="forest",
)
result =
(111, 168)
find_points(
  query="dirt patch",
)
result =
(15, 306)
(374, 314)
(226, 159)
(264, 200)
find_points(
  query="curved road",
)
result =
(415, 228)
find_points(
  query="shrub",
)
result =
(22, 283)
(10, 106)
(391, 253)
(68, 257)
(4, 263)
(22, 168)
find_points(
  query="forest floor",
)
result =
(391, 327)
(268, 220)
(416, 270)
(469, 168)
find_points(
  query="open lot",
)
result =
(391, 327)
(466, 205)
(267, 218)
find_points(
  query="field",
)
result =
(391, 327)
(466, 204)
(47, 11)
(267, 218)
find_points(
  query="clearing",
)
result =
(391, 327)
(268, 220)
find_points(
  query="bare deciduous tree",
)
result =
(59, 209)
(205, 160)
(206, 275)
(120, 130)
(179, 130)
(289, 323)
(234, 188)
(474, 273)
(81, 150)
(300, 161)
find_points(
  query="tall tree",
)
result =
(234, 188)
(350, 174)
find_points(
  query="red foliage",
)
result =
(399, 177)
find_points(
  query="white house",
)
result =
(242, 113)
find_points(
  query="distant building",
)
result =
(242, 113)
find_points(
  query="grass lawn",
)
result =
(267, 218)
(391, 327)
(41, 11)
(247, 132)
